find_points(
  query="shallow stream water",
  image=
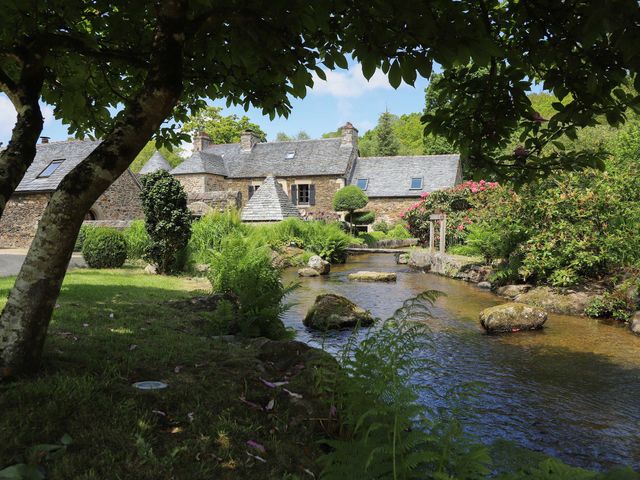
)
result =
(571, 390)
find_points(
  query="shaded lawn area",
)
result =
(112, 328)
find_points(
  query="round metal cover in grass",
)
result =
(150, 385)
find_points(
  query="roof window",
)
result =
(362, 183)
(51, 168)
(416, 183)
(290, 155)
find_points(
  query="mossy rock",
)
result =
(512, 317)
(373, 276)
(332, 312)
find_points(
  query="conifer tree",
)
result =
(388, 144)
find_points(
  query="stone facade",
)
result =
(202, 182)
(389, 209)
(19, 222)
(20, 219)
(325, 188)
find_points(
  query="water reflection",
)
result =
(571, 390)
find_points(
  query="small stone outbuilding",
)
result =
(117, 206)
(269, 203)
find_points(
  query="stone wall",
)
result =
(390, 208)
(121, 201)
(326, 187)
(202, 182)
(20, 219)
(202, 203)
(19, 223)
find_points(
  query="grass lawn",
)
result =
(112, 328)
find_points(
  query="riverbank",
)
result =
(219, 416)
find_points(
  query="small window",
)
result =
(290, 155)
(303, 194)
(52, 167)
(416, 183)
(363, 183)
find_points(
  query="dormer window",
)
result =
(51, 168)
(362, 183)
(416, 183)
(290, 155)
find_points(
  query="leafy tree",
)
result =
(283, 137)
(167, 219)
(172, 156)
(435, 144)
(349, 199)
(221, 129)
(387, 144)
(334, 134)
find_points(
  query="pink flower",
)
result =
(460, 227)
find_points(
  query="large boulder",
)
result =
(512, 317)
(469, 269)
(320, 265)
(634, 324)
(365, 276)
(330, 312)
(567, 302)
(308, 272)
(512, 291)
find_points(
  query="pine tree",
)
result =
(388, 144)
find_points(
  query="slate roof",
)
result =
(72, 152)
(269, 203)
(155, 163)
(201, 162)
(391, 176)
(311, 157)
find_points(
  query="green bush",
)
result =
(137, 240)
(208, 232)
(399, 232)
(380, 226)
(609, 305)
(104, 248)
(82, 234)
(361, 218)
(167, 220)
(243, 269)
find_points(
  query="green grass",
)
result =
(113, 328)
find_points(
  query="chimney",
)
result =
(201, 141)
(349, 136)
(44, 139)
(248, 139)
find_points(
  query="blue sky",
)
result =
(345, 96)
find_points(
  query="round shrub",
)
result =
(380, 226)
(361, 218)
(104, 248)
(349, 199)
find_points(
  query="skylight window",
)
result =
(416, 183)
(290, 155)
(362, 183)
(50, 169)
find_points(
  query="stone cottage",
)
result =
(19, 222)
(312, 171)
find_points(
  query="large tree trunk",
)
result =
(26, 316)
(19, 154)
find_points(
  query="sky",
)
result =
(345, 96)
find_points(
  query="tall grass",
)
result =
(325, 239)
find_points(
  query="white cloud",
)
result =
(350, 83)
(8, 116)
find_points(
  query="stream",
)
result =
(571, 390)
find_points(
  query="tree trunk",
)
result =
(26, 316)
(19, 154)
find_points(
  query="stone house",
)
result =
(312, 171)
(19, 222)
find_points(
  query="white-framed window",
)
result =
(290, 155)
(416, 183)
(362, 183)
(51, 168)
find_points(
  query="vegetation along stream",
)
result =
(570, 390)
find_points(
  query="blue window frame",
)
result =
(49, 169)
(362, 183)
(416, 183)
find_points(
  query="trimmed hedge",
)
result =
(104, 248)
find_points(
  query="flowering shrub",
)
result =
(461, 204)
